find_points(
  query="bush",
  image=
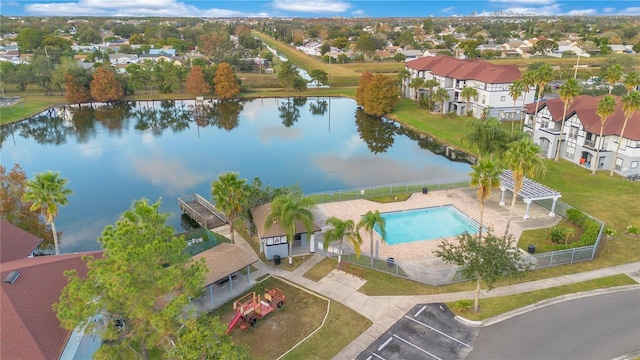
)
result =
(576, 217)
(610, 232)
(463, 305)
(556, 235)
(633, 230)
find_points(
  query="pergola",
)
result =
(531, 191)
(222, 261)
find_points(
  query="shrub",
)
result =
(610, 232)
(590, 234)
(463, 305)
(556, 235)
(633, 230)
(576, 217)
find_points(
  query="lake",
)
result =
(114, 154)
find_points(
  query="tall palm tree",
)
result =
(229, 193)
(467, 93)
(341, 229)
(46, 192)
(606, 108)
(441, 96)
(289, 210)
(523, 159)
(430, 84)
(488, 137)
(416, 83)
(613, 74)
(630, 105)
(485, 176)
(403, 75)
(515, 91)
(368, 223)
(528, 80)
(568, 91)
(632, 80)
(541, 77)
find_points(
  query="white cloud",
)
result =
(359, 13)
(582, 12)
(631, 11)
(171, 176)
(320, 6)
(543, 10)
(609, 10)
(449, 9)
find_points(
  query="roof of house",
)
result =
(15, 243)
(260, 214)
(29, 327)
(223, 260)
(467, 69)
(584, 106)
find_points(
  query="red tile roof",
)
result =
(585, 107)
(15, 243)
(468, 69)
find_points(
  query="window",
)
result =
(619, 163)
(634, 164)
(570, 150)
(573, 132)
(544, 145)
(484, 99)
(503, 98)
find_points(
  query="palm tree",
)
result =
(523, 159)
(541, 78)
(568, 91)
(515, 91)
(613, 74)
(368, 223)
(441, 96)
(488, 137)
(403, 75)
(46, 192)
(632, 80)
(289, 210)
(606, 108)
(528, 80)
(416, 84)
(467, 93)
(485, 176)
(341, 229)
(430, 84)
(630, 105)
(229, 193)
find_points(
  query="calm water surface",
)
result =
(115, 154)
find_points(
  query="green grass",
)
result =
(30, 105)
(490, 307)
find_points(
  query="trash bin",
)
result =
(531, 249)
(391, 262)
(276, 259)
(425, 190)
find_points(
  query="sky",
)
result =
(315, 8)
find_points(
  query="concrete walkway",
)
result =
(384, 311)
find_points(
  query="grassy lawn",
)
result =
(302, 314)
(29, 105)
(490, 307)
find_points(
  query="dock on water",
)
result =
(202, 211)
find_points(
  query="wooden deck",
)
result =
(202, 211)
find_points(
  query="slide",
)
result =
(233, 322)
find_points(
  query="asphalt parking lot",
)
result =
(7, 101)
(428, 331)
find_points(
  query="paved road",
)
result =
(596, 327)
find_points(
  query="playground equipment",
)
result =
(250, 307)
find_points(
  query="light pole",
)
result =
(575, 72)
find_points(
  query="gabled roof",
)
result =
(260, 214)
(223, 260)
(29, 327)
(15, 243)
(467, 69)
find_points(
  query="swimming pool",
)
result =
(426, 224)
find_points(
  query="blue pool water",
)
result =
(427, 224)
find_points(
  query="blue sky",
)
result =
(315, 8)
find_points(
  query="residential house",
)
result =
(163, 51)
(273, 241)
(491, 81)
(118, 59)
(30, 286)
(621, 49)
(581, 136)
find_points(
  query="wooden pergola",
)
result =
(531, 191)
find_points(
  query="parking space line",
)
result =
(420, 311)
(385, 343)
(416, 346)
(376, 355)
(438, 331)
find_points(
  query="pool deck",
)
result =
(495, 217)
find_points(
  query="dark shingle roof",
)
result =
(468, 69)
(15, 243)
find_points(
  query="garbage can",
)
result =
(531, 249)
(276, 259)
(391, 262)
(425, 190)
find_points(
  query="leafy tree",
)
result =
(467, 94)
(289, 210)
(78, 85)
(46, 192)
(139, 76)
(485, 176)
(380, 96)
(205, 338)
(363, 84)
(226, 82)
(14, 209)
(229, 193)
(630, 105)
(416, 83)
(320, 76)
(568, 91)
(606, 108)
(341, 43)
(541, 77)
(523, 159)
(42, 69)
(369, 222)
(341, 229)
(287, 74)
(489, 259)
(29, 39)
(105, 87)
(545, 46)
(366, 44)
(613, 74)
(325, 48)
(196, 83)
(441, 96)
(89, 36)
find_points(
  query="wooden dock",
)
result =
(202, 211)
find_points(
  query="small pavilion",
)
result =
(531, 191)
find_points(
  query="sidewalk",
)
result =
(384, 311)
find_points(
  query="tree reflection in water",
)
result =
(378, 133)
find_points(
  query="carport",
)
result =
(222, 261)
(531, 191)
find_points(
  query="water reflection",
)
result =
(376, 132)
